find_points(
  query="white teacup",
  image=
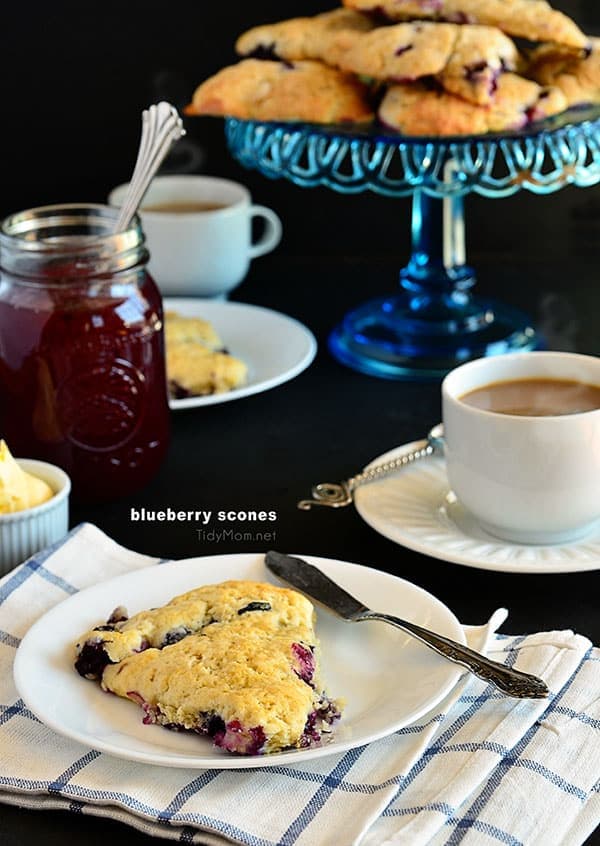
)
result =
(526, 479)
(199, 233)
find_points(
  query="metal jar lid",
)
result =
(77, 233)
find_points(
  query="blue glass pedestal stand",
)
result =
(434, 321)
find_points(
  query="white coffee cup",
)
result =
(201, 253)
(526, 479)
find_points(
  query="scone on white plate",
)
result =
(238, 661)
(197, 362)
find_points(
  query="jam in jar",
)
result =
(82, 372)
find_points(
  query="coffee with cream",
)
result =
(182, 207)
(535, 397)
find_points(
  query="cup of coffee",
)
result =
(199, 233)
(522, 444)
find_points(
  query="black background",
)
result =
(75, 78)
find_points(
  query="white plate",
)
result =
(388, 679)
(415, 508)
(274, 346)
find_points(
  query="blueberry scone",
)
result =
(575, 72)
(324, 37)
(299, 91)
(467, 60)
(195, 370)
(237, 661)
(535, 20)
(196, 359)
(421, 109)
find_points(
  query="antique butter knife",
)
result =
(317, 585)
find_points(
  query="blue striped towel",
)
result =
(481, 769)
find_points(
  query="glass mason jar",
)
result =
(82, 371)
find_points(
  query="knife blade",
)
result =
(312, 581)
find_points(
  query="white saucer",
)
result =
(275, 347)
(415, 508)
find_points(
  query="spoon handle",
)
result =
(339, 494)
(161, 127)
(511, 682)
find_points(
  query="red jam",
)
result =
(82, 378)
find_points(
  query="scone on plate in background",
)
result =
(194, 370)
(197, 362)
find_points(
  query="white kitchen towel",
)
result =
(480, 769)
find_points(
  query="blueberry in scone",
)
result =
(238, 661)
(535, 20)
(402, 53)
(421, 109)
(575, 72)
(299, 91)
(479, 56)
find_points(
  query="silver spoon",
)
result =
(340, 494)
(161, 127)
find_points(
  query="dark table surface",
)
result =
(265, 452)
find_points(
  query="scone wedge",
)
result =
(238, 661)
(288, 91)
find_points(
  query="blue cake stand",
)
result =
(434, 321)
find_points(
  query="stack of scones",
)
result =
(418, 67)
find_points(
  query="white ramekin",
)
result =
(26, 532)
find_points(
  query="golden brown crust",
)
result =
(266, 90)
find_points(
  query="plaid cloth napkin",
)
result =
(481, 769)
